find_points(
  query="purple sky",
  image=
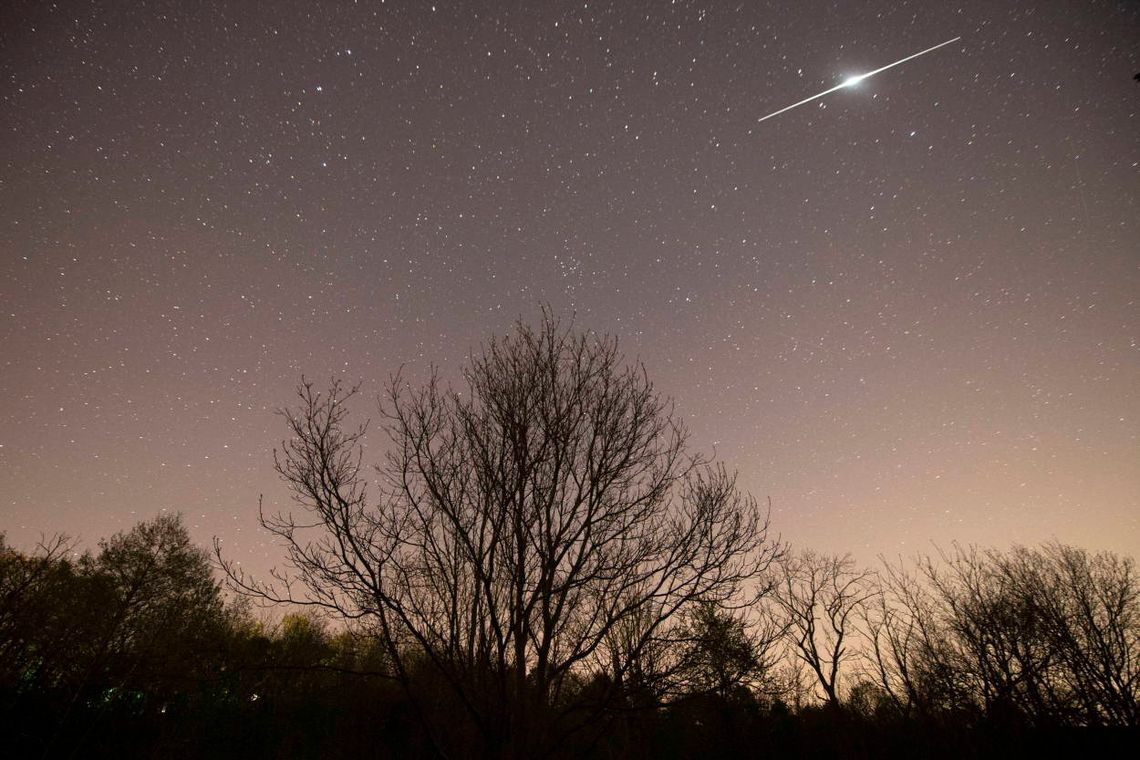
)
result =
(907, 312)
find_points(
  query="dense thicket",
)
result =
(131, 650)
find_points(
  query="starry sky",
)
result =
(906, 312)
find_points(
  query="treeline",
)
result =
(540, 566)
(134, 650)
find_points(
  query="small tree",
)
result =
(820, 598)
(723, 653)
(521, 524)
(900, 626)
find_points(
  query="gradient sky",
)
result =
(907, 312)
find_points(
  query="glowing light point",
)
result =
(856, 79)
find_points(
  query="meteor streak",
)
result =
(857, 79)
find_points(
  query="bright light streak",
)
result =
(857, 79)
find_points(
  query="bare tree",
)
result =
(520, 524)
(897, 623)
(1089, 607)
(1045, 636)
(820, 598)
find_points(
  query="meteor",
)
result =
(857, 79)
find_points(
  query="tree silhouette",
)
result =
(1045, 637)
(36, 633)
(820, 598)
(119, 632)
(1030, 637)
(522, 525)
(723, 653)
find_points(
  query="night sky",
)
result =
(907, 311)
